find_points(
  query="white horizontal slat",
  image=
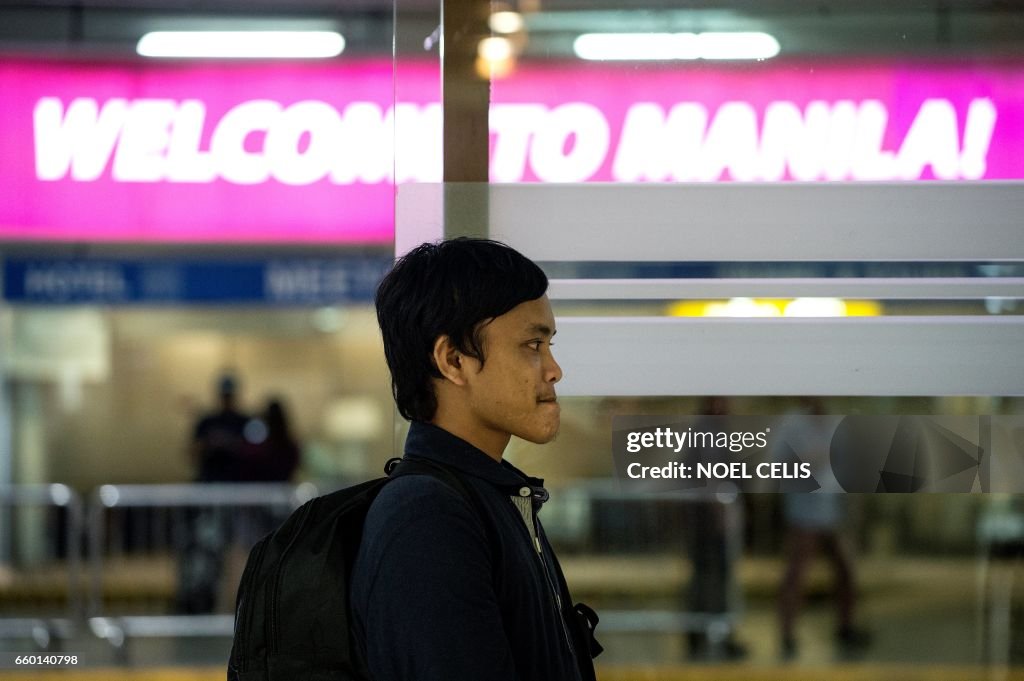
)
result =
(923, 221)
(870, 356)
(875, 288)
(728, 222)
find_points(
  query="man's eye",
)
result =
(534, 345)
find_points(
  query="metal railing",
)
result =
(579, 516)
(168, 515)
(119, 516)
(54, 498)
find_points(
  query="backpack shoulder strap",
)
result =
(396, 468)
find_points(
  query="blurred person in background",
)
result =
(218, 436)
(713, 561)
(216, 452)
(270, 452)
(815, 521)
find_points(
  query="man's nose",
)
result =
(552, 372)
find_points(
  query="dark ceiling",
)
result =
(941, 29)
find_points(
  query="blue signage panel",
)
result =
(277, 281)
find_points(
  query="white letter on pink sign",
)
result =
(931, 141)
(143, 142)
(794, 139)
(417, 142)
(842, 135)
(512, 126)
(185, 163)
(869, 161)
(643, 152)
(551, 162)
(288, 163)
(731, 144)
(80, 139)
(227, 146)
(366, 143)
(657, 148)
(981, 121)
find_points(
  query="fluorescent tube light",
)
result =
(241, 44)
(670, 46)
(737, 46)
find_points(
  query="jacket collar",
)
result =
(427, 441)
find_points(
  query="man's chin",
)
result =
(541, 437)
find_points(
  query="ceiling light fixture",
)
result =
(495, 49)
(241, 44)
(496, 57)
(506, 22)
(673, 46)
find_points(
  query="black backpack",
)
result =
(292, 611)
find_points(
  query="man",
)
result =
(218, 436)
(442, 588)
(215, 451)
(712, 557)
(813, 521)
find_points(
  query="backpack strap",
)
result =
(396, 468)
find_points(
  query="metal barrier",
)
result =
(163, 514)
(577, 518)
(106, 538)
(15, 500)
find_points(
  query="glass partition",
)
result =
(752, 209)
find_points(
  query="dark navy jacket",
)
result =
(437, 596)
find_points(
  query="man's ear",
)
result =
(449, 360)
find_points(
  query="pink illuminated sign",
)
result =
(763, 124)
(207, 153)
(304, 153)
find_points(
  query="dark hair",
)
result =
(227, 385)
(448, 288)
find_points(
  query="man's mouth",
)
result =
(551, 400)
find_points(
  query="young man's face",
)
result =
(514, 392)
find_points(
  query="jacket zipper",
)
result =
(534, 533)
(554, 592)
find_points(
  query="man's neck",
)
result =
(491, 443)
